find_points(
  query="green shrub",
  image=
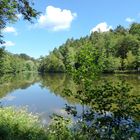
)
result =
(20, 125)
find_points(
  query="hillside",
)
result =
(120, 48)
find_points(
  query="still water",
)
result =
(44, 94)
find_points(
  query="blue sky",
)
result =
(63, 19)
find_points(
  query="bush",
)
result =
(20, 125)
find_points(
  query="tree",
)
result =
(9, 10)
(130, 60)
(109, 109)
(124, 45)
(2, 54)
(120, 30)
(115, 44)
(137, 62)
(135, 29)
(52, 63)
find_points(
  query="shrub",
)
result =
(20, 125)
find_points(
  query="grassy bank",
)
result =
(19, 125)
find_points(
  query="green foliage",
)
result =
(59, 128)
(9, 10)
(11, 82)
(129, 62)
(2, 54)
(112, 113)
(112, 110)
(52, 63)
(137, 62)
(120, 30)
(26, 57)
(135, 29)
(115, 45)
(18, 124)
(10, 63)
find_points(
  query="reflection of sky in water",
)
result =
(37, 100)
(9, 98)
(44, 102)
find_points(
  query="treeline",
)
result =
(14, 63)
(120, 48)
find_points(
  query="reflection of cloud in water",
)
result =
(46, 117)
(9, 98)
(61, 112)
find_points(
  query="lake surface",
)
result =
(44, 94)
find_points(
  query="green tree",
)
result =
(29, 65)
(135, 29)
(9, 10)
(120, 30)
(2, 54)
(109, 109)
(53, 64)
(130, 60)
(124, 45)
(137, 62)
(115, 44)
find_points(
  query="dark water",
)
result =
(44, 94)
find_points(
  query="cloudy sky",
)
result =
(63, 19)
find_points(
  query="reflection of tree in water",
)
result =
(56, 83)
(110, 110)
(112, 113)
(9, 83)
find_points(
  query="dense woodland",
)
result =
(14, 63)
(120, 49)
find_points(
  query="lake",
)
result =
(44, 94)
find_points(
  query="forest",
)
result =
(120, 48)
(14, 63)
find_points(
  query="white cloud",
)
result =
(56, 19)
(9, 29)
(101, 27)
(19, 16)
(8, 44)
(128, 19)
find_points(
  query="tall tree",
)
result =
(120, 30)
(125, 44)
(2, 54)
(135, 29)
